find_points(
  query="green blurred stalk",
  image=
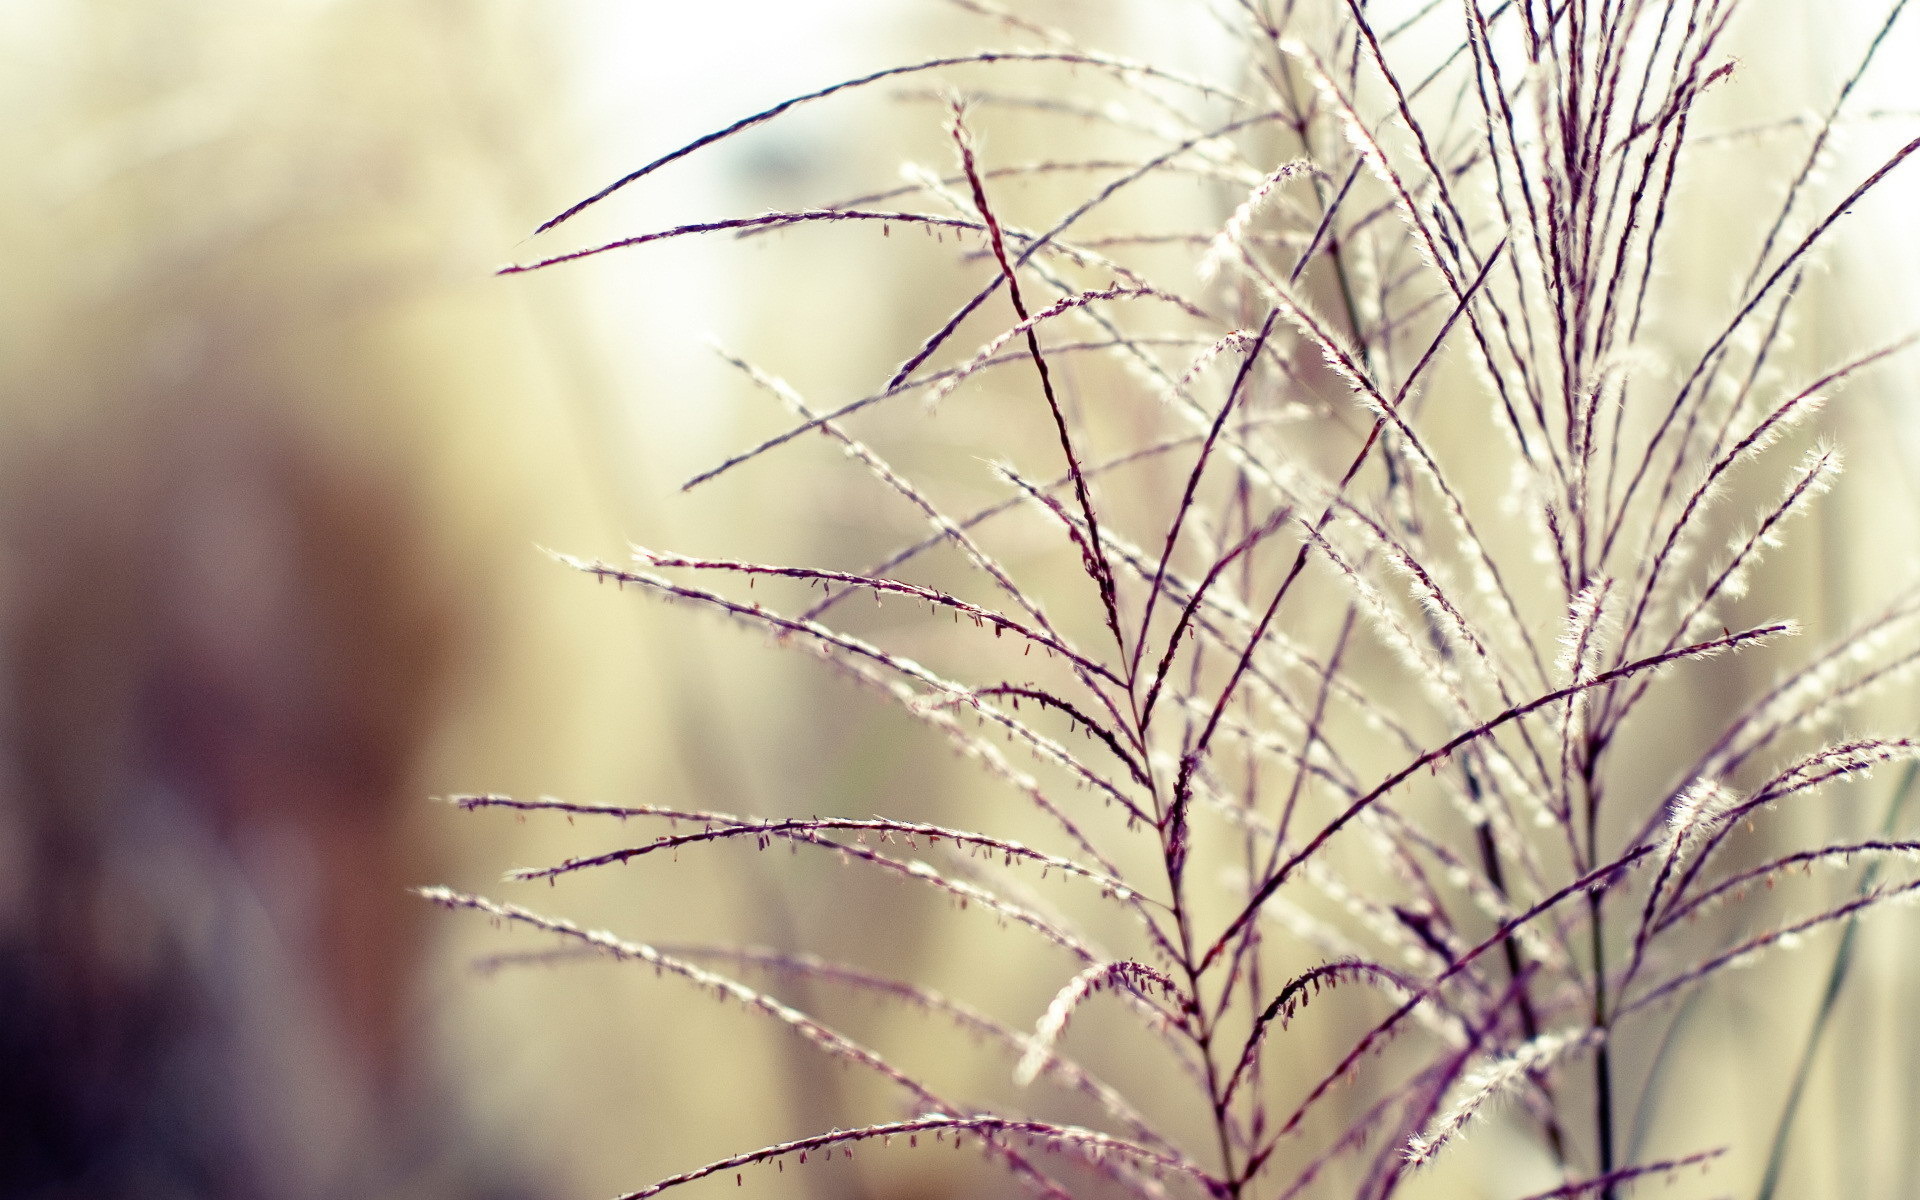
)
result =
(1836, 980)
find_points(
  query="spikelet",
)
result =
(1093, 979)
(1492, 1080)
(1231, 240)
(1581, 642)
(1696, 812)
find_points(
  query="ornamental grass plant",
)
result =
(1331, 514)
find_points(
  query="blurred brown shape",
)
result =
(224, 643)
(221, 666)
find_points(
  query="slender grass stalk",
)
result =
(1301, 482)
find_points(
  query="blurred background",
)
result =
(280, 455)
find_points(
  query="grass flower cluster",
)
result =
(1374, 523)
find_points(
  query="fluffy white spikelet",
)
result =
(1441, 680)
(1780, 422)
(1841, 760)
(1815, 478)
(1704, 803)
(1491, 1081)
(1054, 1022)
(1579, 640)
(1232, 236)
(1233, 340)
